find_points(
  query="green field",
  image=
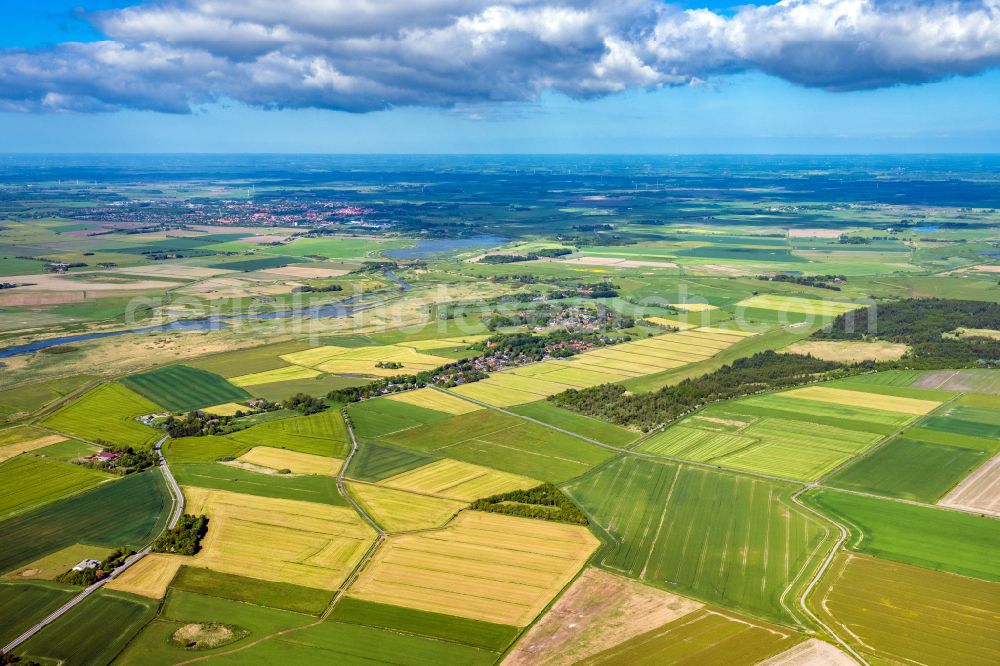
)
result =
(27, 482)
(94, 632)
(596, 429)
(896, 613)
(376, 418)
(323, 434)
(18, 402)
(24, 604)
(714, 536)
(340, 643)
(108, 412)
(507, 443)
(245, 361)
(180, 388)
(910, 469)
(283, 596)
(153, 646)
(202, 449)
(374, 461)
(934, 538)
(701, 637)
(475, 633)
(308, 488)
(127, 512)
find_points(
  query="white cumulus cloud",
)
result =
(364, 55)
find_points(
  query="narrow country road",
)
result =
(175, 514)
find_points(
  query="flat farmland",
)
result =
(703, 637)
(283, 374)
(880, 401)
(24, 604)
(323, 434)
(599, 611)
(714, 536)
(376, 418)
(505, 442)
(798, 450)
(180, 388)
(482, 566)
(924, 536)
(281, 540)
(149, 577)
(362, 360)
(978, 381)
(295, 461)
(94, 632)
(796, 305)
(980, 491)
(374, 462)
(590, 427)
(27, 482)
(458, 480)
(437, 400)
(108, 412)
(130, 512)
(910, 469)
(182, 608)
(318, 488)
(904, 614)
(400, 511)
(29, 443)
(59, 562)
(255, 591)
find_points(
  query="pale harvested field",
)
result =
(439, 401)
(599, 611)
(797, 305)
(298, 463)
(8, 451)
(443, 343)
(482, 566)
(980, 491)
(64, 283)
(39, 298)
(266, 239)
(993, 334)
(306, 272)
(694, 307)
(726, 331)
(457, 480)
(286, 541)
(848, 351)
(812, 652)
(986, 268)
(232, 229)
(815, 233)
(227, 287)
(400, 511)
(226, 409)
(362, 360)
(614, 262)
(173, 270)
(279, 375)
(670, 322)
(150, 576)
(889, 403)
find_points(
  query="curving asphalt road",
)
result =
(176, 512)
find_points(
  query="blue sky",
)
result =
(570, 87)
